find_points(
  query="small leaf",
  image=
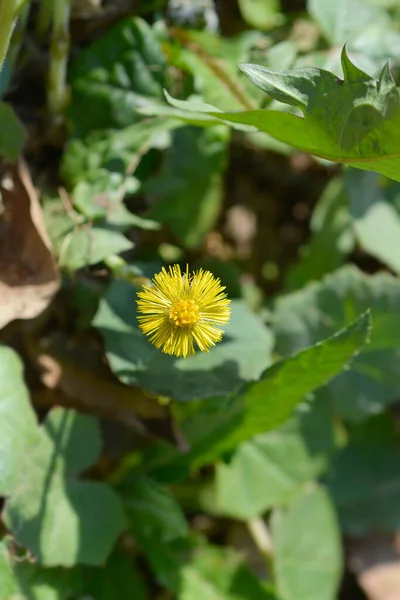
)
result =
(307, 548)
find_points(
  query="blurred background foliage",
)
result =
(153, 477)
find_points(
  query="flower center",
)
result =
(184, 313)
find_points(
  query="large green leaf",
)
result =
(242, 355)
(269, 469)
(354, 121)
(188, 189)
(303, 317)
(50, 511)
(307, 548)
(264, 405)
(17, 420)
(375, 212)
(114, 76)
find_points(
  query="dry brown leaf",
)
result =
(71, 367)
(28, 275)
(375, 560)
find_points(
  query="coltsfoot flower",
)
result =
(180, 309)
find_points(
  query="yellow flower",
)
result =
(180, 309)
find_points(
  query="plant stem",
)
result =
(259, 532)
(8, 10)
(19, 32)
(59, 50)
(43, 20)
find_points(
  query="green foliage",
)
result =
(311, 313)
(12, 133)
(115, 76)
(306, 568)
(270, 468)
(53, 514)
(234, 474)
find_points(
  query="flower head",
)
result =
(180, 309)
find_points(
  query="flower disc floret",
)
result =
(179, 310)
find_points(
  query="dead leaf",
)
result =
(375, 560)
(71, 367)
(28, 275)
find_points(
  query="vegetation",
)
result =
(219, 177)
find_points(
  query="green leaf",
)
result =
(22, 579)
(188, 188)
(305, 316)
(9, 589)
(219, 574)
(194, 570)
(269, 469)
(242, 355)
(52, 513)
(359, 24)
(77, 242)
(375, 212)
(261, 14)
(364, 481)
(354, 121)
(264, 405)
(114, 76)
(17, 420)
(307, 548)
(88, 245)
(345, 19)
(113, 152)
(152, 510)
(12, 133)
(118, 579)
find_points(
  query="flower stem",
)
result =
(59, 51)
(43, 20)
(8, 9)
(259, 532)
